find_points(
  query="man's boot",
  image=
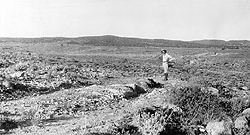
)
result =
(165, 76)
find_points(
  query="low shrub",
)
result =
(153, 121)
(199, 107)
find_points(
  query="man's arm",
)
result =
(170, 59)
(157, 56)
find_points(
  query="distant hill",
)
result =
(223, 42)
(239, 42)
(33, 40)
(210, 42)
(109, 40)
(125, 41)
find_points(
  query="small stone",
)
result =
(191, 62)
(213, 90)
(6, 84)
(244, 88)
(16, 74)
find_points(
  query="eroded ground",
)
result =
(74, 89)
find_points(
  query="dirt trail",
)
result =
(101, 120)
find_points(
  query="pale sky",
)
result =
(168, 19)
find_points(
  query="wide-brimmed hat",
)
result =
(163, 50)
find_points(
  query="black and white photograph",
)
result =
(124, 67)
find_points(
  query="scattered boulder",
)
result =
(17, 74)
(149, 84)
(126, 91)
(143, 84)
(191, 62)
(137, 89)
(242, 122)
(7, 84)
(129, 95)
(244, 88)
(213, 90)
(219, 127)
(246, 111)
(155, 84)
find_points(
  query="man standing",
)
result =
(166, 58)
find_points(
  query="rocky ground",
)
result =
(207, 93)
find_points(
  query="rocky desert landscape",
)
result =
(108, 85)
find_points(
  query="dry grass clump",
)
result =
(200, 107)
(153, 121)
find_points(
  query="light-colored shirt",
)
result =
(166, 58)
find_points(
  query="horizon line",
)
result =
(36, 37)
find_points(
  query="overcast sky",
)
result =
(168, 19)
